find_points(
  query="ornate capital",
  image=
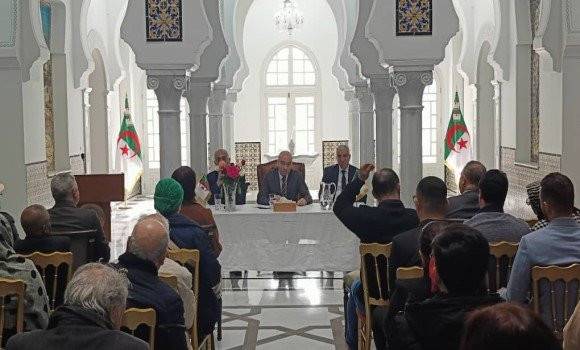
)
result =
(398, 79)
(180, 83)
(152, 83)
(427, 78)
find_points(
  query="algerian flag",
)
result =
(457, 141)
(129, 149)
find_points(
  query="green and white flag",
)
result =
(457, 141)
(129, 149)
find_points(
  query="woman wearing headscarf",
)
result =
(13, 266)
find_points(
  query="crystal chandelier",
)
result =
(288, 18)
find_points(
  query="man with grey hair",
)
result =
(284, 182)
(65, 216)
(342, 173)
(145, 254)
(95, 300)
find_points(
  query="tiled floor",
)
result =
(262, 310)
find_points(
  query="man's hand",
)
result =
(365, 170)
(301, 202)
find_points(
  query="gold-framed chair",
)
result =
(379, 279)
(554, 274)
(43, 261)
(169, 279)
(497, 252)
(9, 288)
(531, 222)
(134, 317)
(190, 258)
(410, 273)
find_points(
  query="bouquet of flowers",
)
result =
(231, 179)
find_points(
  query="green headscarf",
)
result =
(168, 196)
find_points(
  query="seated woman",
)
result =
(15, 267)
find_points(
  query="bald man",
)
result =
(144, 256)
(284, 182)
(35, 222)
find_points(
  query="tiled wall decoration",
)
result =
(414, 17)
(163, 20)
(8, 36)
(329, 151)
(48, 115)
(535, 85)
(251, 152)
(77, 165)
(519, 176)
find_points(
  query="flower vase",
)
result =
(229, 192)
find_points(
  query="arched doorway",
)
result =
(97, 154)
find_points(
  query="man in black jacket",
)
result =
(90, 319)
(461, 256)
(372, 224)
(65, 216)
(466, 205)
(35, 222)
(146, 252)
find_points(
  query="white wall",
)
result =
(319, 34)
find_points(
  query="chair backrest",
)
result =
(500, 252)
(169, 279)
(190, 259)
(409, 273)
(53, 262)
(133, 318)
(9, 288)
(566, 299)
(532, 222)
(265, 168)
(380, 277)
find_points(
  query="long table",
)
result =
(310, 239)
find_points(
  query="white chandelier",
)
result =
(288, 18)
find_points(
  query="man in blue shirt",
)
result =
(556, 244)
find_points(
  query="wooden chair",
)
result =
(190, 259)
(497, 251)
(10, 288)
(55, 260)
(532, 222)
(375, 251)
(133, 318)
(169, 279)
(265, 168)
(409, 273)
(568, 299)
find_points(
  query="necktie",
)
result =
(284, 188)
(343, 180)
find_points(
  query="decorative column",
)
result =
(87, 128)
(168, 89)
(475, 125)
(367, 125)
(497, 123)
(197, 96)
(215, 117)
(354, 126)
(383, 94)
(228, 123)
(410, 86)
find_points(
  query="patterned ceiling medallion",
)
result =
(414, 17)
(163, 20)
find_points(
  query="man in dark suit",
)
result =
(342, 173)
(284, 182)
(65, 216)
(466, 205)
(35, 222)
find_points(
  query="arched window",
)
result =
(291, 104)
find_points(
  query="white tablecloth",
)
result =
(310, 239)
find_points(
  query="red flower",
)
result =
(232, 171)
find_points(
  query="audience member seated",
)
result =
(460, 256)
(466, 204)
(145, 253)
(505, 327)
(90, 318)
(193, 210)
(65, 216)
(371, 224)
(99, 212)
(220, 159)
(533, 190)
(491, 221)
(572, 331)
(556, 244)
(284, 182)
(13, 266)
(35, 222)
(342, 173)
(186, 234)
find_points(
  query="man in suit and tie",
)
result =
(342, 173)
(284, 182)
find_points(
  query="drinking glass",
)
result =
(217, 198)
